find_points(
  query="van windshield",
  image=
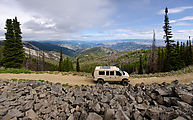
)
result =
(122, 73)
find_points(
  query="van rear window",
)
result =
(101, 72)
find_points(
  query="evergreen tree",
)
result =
(140, 71)
(13, 50)
(159, 60)
(77, 65)
(163, 59)
(67, 64)
(61, 59)
(169, 43)
(182, 55)
(178, 64)
(152, 64)
(71, 66)
(190, 53)
(187, 54)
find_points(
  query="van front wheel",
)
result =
(100, 81)
(124, 82)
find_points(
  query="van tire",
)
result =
(100, 81)
(124, 82)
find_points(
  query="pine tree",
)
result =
(77, 65)
(178, 62)
(187, 53)
(190, 52)
(163, 59)
(13, 50)
(182, 55)
(61, 59)
(71, 66)
(140, 71)
(67, 65)
(159, 60)
(169, 43)
(152, 63)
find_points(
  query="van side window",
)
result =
(111, 72)
(118, 73)
(107, 72)
(101, 72)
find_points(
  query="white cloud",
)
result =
(187, 18)
(183, 24)
(176, 10)
(58, 19)
(183, 34)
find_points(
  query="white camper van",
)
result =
(110, 74)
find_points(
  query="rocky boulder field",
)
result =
(32, 100)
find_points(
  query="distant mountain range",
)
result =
(119, 45)
(78, 47)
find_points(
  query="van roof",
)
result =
(107, 68)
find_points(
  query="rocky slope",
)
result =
(43, 100)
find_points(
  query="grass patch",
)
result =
(18, 80)
(76, 86)
(14, 79)
(65, 85)
(82, 86)
(15, 71)
(58, 83)
(41, 80)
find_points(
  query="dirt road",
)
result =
(81, 80)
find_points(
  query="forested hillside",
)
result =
(51, 47)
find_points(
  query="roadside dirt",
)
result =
(81, 80)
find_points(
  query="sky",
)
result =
(91, 20)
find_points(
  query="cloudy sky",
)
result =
(97, 19)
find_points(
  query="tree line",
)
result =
(65, 64)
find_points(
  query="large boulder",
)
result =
(94, 116)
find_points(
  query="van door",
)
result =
(112, 76)
(107, 76)
(118, 76)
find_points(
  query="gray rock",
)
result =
(71, 117)
(94, 116)
(97, 108)
(139, 99)
(153, 113)
(37, 106)
(13, 113)
(83, 115)
(180, 118)
(120, 115)
(121, 99)
(31, 115)
(42, 95)
(185, 96)
(3, 111)
(27, 106)
(109, 114)
(137, 115)
(78, 101)
(104, 99)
